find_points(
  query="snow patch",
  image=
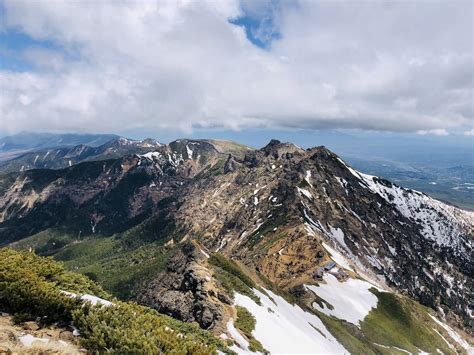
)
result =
(338, 234)
(204, 253)
(351, 299)
(28, 340)
(455, 336)
(445, 225)
(337, 257)
(285, 328)
(189, 151)
(394, 347)
(243, 347)
(308, 178)
(304, 192)
(94, 300)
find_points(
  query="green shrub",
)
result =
(232, 278)
(30, 287)
(132, 329)
(245, 322)
(399, 321)
(230, 267)
(255, 345)
(120, 270)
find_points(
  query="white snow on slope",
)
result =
(28, 340)
(455, 336)
(351, 299)
(160, 159)
(151, 155)
(337, 257)
(285, 328)
(338, 235)
(399, 349)
(243, 344)
(305, 192)
(308, 177)
(442, 337)
(441, 223)
(189, 151)
(204, 253)
(89, 298)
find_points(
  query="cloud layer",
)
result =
(386, 65)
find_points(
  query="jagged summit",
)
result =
(271, 144)
(276, 148)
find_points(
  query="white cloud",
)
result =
(469, 133)
(392, 66)
(433, 132)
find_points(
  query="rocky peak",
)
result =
(272, 144)
(194, 149)
(278, 149)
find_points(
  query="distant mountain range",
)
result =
(277, 249)
(12, 146)
(61, 157)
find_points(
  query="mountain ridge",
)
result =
(280, 213)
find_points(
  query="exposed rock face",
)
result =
(230, 164)
(185, 290)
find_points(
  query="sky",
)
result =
(237, 67)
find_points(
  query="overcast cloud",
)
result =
(380, 65)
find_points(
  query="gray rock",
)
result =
(179, 291)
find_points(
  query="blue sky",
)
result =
(261, 28)
(247, 70)
(12, 44)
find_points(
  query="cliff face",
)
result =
(185, 290)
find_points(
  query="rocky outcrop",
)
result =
(185, 290)
(231, 164)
